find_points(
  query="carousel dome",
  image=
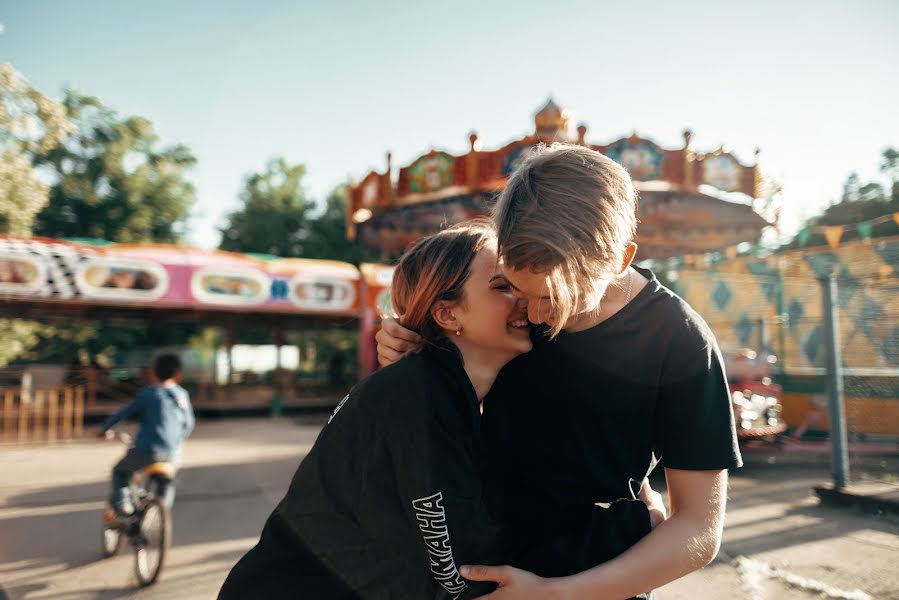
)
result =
(552, 123)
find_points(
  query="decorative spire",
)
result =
(551, 123)
(473, 141)
(582, 134)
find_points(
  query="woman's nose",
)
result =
(522, 302)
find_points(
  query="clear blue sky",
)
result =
(334, 85)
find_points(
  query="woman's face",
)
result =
(492, 318)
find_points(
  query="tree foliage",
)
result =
(277, 218)
(112, 182)
(31, 124)
(272, 218)
(327, 233)
(861, 202)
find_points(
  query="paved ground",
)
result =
(779, 543)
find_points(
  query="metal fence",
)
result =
(775, 304)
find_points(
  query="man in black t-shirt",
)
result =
(628, 373)
(582, 418)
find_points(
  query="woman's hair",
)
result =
(434, 269)
(569, 212)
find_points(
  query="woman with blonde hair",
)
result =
(389, 500)
(623, 374)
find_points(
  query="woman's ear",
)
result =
(445, 317)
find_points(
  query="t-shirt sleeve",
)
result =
(694, 418)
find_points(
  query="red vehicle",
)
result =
(755, 400)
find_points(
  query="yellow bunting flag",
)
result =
(833, 235)
(896, 217)
(731, 252)
(885, 271)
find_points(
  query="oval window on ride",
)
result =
(230, 287)
(118, 279)
(21, 273)
(322, 293)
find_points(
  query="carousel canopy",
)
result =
(680, 208)
(40, 276)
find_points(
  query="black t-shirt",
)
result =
(389, 502)
(581, 418)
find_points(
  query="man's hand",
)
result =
(395, 341)
(514, 584)
(653, 500)
(106, 435)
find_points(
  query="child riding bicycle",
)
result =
(166, 419)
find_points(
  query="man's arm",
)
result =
(395, 341)
(687, 541)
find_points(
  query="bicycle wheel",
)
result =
(151, 542)
(112, 538)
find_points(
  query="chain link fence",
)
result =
(774, 305)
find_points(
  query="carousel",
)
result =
(690, 201)
(139, 285)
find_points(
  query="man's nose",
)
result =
(522, 301)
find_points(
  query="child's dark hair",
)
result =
(167, 366)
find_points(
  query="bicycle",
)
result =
(148, 528)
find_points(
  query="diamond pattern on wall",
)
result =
(794, 313)
(722, 295)
(814, 345)
(845, 290)
(890, 347)
(744, 328)
(823, 263)
(889, 252)
(870, 316)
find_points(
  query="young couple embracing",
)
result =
(534, 378)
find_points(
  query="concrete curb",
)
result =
(878, 498)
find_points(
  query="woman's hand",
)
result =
(395, 341)
(654, 501)
(514, 584)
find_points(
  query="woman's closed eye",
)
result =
(499, 282)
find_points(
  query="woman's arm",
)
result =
(688, 540)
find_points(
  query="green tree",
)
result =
(30, 124)
(273, 217)
(860, 202)
(327, 233)
(110, 180)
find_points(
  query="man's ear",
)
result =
(445, 317)
(629, 253)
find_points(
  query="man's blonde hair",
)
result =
(569, 212)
